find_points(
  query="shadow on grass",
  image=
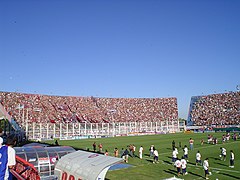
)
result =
(167, 162)
(216, 159)
(170, 171)
(149, 160)
(193, 163)
(221, 164)
(229, 175)
(169, 157)
(194, 174)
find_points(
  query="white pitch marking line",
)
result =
(229, 170)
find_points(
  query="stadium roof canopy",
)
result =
(84, 165)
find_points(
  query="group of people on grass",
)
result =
(181, 163)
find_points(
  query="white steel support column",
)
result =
(161, 125)
(97, 129)
(91, 129)
(40, 134)
(79, 129)
(26, 130)
(119, 128)
(178, 129)
(167, 125)
(73, 129)
(113, 133)
(85, 129)
(60, 131)
(156, 124)
(151, 127)
(33, 129)
(67, 130)
(102, 132)
(23, 115)
(125, 127)
(47, 130)
(54, 130)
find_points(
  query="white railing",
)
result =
(85, 130)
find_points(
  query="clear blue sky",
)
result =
(120, 48)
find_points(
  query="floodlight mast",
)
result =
(238, 87)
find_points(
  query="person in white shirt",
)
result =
(11, 141)
(151, 149)
(231, 159)
(185, 149)
(134, 149)
(184, 166)
(174, 155)
(3, 160)
(155, 159)
(198, 158)
(223, 153)
(206, 168)
(178, 165)
(140, 152)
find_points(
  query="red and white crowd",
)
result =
(217, 109)
(46, 108)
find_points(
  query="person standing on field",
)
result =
(178, 165)
(191, 141)
(206, 168)
(155, 158)
(140, 152)
(174, 155)
(198, 158)
(184, 166)
(231, 159)
(185, 150)
(223, 153)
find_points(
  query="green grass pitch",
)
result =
(145, 169)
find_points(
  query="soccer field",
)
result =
(145, 169)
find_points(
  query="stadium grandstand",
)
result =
(45, 116)
(215, 110)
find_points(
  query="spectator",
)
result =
(11, 142)
(216, 109)
(3, 160)
(65, 109)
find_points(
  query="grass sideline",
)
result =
(145, 169)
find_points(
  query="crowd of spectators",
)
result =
(45, 108)
(217, 109)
